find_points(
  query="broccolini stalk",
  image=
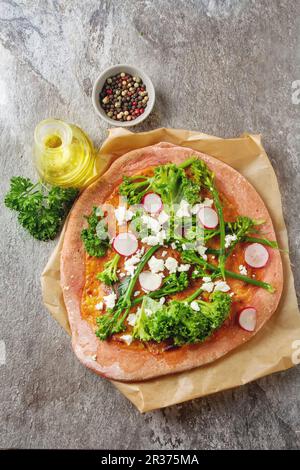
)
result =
(204, 177)
(171, 284)
(262, 241)
(113, 321)
(109, 273)
(191, 257)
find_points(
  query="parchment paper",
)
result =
(272, 348)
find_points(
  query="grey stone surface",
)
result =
(222, 67)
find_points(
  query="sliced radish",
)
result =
(125, 244)
(247, 318)
(150, 281)
(208, 217)
(152, 203)
(256, 255)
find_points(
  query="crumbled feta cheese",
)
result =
(183, 246)
(221, 286)
(207, 286)
(213, 257)
(131, 319)
(195, 306)
(137, 293)
(123, 215)
(151, 223)
(130, 264)
(173, 246)
(164, 253)
(201, 250)
(127, 339)
(183, 267)
(206, 203)
(163, 217)
(122, 275)
(110, 300)
(231, 294)
(99, 306)
(229, 239)
(184, 209)
(156, 265)
(171, 264)
(243, 270)
(140, 252)
(157, 239)
(162, 300)
(206, 279)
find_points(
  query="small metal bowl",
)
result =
(110, 72)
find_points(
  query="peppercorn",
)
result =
(123, 97)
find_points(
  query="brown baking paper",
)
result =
(272, 348)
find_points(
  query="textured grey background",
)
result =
(222, 67)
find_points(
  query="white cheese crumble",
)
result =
(221, 286)
(164, 253)
(184, 209)
(130, 264)
(156, 265)
(201, 250)
(206, 279)
(151, 223)
(127, 339)
(137, 292)
(183, 267)
(123, 215)
(173, 246)
(195, 306)
(157, 239)
(207, 286)
(243, 270)
(163, 217)
(206, 203)
(99, 306)
(131, 319)
(162, 300)
(229, 239)
(110, 300)
(171, 264)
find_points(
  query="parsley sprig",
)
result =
(42, 210)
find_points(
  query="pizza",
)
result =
(169, 262)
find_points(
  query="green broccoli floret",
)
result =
(172, 184)
(171, 284)
(135, 187)
(179, 322)
(148, 307)
(169, 181)
(217, 309)
(109, 273)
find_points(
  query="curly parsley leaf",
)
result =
(41, 210)
(95, 237)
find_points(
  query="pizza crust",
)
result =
(118, 362)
